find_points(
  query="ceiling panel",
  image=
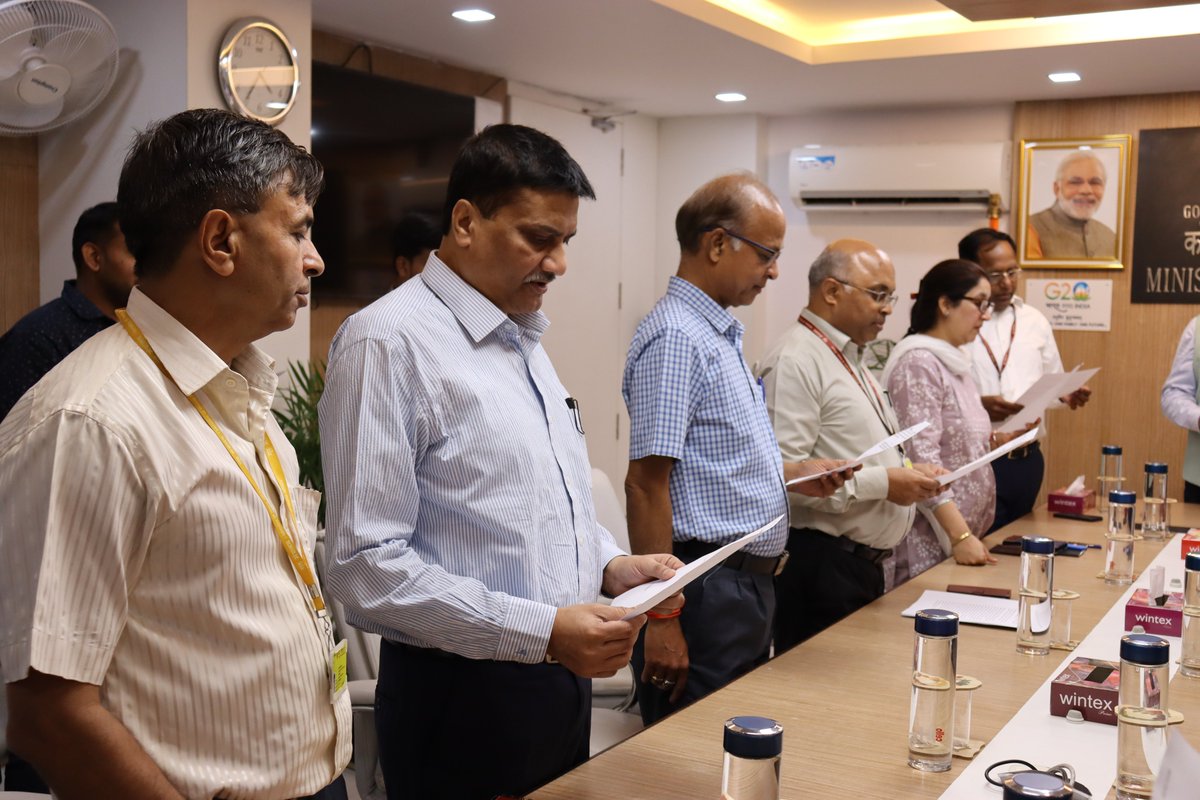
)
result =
(981, 10)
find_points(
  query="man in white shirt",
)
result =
(1014, 348)
(163, 635)
(824, 403)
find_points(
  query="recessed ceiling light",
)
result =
(1064, 77)
(731, 97)
(473, 15)
(812, 147)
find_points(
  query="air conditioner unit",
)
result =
(900, 177)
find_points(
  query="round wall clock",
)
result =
(258, 70)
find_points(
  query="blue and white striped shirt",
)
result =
(691, 398)
(460, 510)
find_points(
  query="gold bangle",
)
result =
(962, 537)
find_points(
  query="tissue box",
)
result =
(1189, 542)
(1070, 503)
(1164, 620)
(1089, 685)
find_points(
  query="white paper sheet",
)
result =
(900, 437)
(641, 599)
(1042, 395)
(1020, 441)
(972, 609)
(1179, 774)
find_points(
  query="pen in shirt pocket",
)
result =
(573, 404)
(762, 387)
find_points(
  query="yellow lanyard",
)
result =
(299, 562)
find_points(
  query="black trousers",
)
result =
(334, 791)
(820, 584)
(1191, 493)
(455, 728)
(727, 625)
(1018, 481)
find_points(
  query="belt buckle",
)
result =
(779, 565)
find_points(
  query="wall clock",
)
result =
(258, 70)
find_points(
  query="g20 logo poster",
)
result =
(1078, 291)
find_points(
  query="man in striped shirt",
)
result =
(461, 523)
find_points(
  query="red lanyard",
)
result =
(877, 406)
(1012, 337)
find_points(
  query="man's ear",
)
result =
(220, 236)
(91, 256)
(715, 245)
(464, 222)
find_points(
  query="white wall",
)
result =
(915, 240)
(168, 64)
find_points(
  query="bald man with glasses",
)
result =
(824, 403)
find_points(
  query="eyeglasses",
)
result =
(882, 297)
(1011, 274)
(982, 303)
(766, 255)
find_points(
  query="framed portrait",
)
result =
(1071, 202)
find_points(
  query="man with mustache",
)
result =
(1067, 229)
(825, 404)
(460, 520)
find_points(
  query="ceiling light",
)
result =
(473, 15)
(1064, 77)
(731, 97)
(812, 147)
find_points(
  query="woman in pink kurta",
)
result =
(928, 377)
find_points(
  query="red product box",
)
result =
(1164, 620)
(1189, 542)
(1071, 503)
(1089, 685)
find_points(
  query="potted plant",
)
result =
(298, 419)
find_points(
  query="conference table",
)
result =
(842, 696)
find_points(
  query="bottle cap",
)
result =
(1193, 561)
(1156, 467)
(1122, 496)
(1144, 649)
(937, 622)
(1038, 545)
(753, 737)
(1035, 784)
(1110, 450)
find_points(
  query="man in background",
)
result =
(704, 468)
(461, 523)
(1014, 348)
(163, 633)
(1067, 229)
(1180, 403)
(43, 337)
(415, 236)
(824, 403)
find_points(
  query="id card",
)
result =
(337, 670)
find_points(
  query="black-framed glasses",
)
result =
(881, 297)
(1011, 274)
(984, 304)
(766, 255)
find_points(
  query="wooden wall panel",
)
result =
(1135, 356)
(18, 228)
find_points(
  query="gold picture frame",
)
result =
(1072, 195)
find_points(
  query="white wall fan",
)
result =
(58, 59)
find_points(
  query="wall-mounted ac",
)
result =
(900, 177)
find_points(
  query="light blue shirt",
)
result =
(460, 509)
(1178, 397)
(691, 398)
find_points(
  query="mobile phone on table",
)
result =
(1080, 517)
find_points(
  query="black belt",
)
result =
(875, 555)
(741, 560)
(1022, 452)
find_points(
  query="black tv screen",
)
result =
(387, 147)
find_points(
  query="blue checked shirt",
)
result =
(460, 508)
(691, 398)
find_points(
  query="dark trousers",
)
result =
(1191, 493)
(821, 583)
(20, 776)
(1018, 481)
(727, 625)
(455, 728)
(334, 791)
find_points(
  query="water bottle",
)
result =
(1155, 509)
(1020, 785)
(931, 713)
(752, 759)
(1189, 665)
(1118, 560)
(1111, 473)
(1035, 600)
(1141, 714)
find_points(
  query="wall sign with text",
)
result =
(1166, 222)
(1072, 305)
